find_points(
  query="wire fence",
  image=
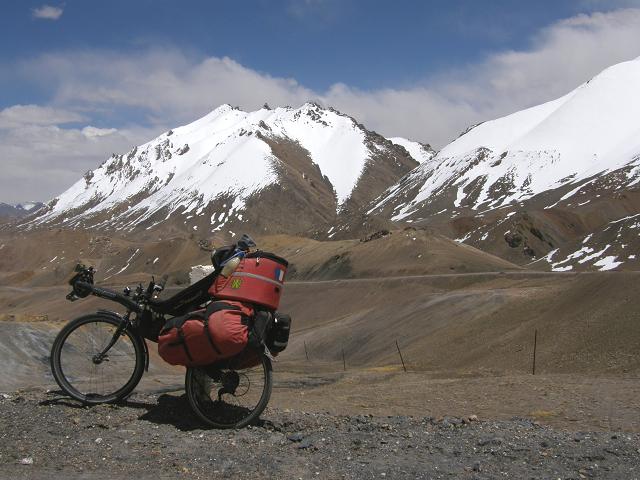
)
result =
(318, 355)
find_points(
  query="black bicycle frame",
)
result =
(124, 324)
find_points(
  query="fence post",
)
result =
(306, 354)
(535, 345)
(344, 362)
(401, 359)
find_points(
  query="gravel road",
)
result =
(45, 435)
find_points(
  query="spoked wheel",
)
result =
(86, 375)
(228, 396)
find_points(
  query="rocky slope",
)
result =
(287, 170)
(559, 180)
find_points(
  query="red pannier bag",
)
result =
(258, 279)
(206, 336)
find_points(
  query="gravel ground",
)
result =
(45, 435)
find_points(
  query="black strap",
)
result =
(175, 322)
(208, 334)
(183, 342)
(214, 307)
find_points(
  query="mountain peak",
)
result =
(235, 155)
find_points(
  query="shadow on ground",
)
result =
(168, 410)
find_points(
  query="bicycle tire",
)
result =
(135, 351)
(204, 407)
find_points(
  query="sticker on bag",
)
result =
(279, 274)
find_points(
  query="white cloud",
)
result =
(168, 87)
(47, 12)
(165, 84)
(93, 132)
(18, 115)
(560, 58)
(40, 161)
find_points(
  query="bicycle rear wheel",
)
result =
(229, 396)
(83, 374)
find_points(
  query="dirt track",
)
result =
(45, 436)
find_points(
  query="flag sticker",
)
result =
(279, 274)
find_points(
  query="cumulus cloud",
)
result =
(561, 57)
(171, 86)
(40, 161)
(47, 12)
(93, 132)
(165, 84)
(167, 87)
(19, 115)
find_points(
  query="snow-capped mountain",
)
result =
(19, 210)
(281, 169)
(421, 152)
(506, 178)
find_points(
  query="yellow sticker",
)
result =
(236, 283)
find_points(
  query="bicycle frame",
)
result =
(124, 324)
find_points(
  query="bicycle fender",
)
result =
(146, 355)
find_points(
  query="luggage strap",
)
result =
(205, 323)
(181, 341)
(214, 307)
(178, 322)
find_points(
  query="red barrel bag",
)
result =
(258, 279)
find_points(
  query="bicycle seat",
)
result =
(187, 299)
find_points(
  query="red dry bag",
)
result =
(206, 336)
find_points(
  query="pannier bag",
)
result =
(275, 333)
(258, 279)
(206, 336)
(278, 336)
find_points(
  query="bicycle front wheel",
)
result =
(83, 373)
(229, 397)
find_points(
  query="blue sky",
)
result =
(83, 78)
(367, 44)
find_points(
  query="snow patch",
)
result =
(607, 263)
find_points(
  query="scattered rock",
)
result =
(375, 236)
(296, 437)
(513, 239)
(451, 421)
(182, 150)
(306, 443)
(490, 441)
(26, 461)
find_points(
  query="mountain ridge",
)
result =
(537, 181)
(217, 165)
